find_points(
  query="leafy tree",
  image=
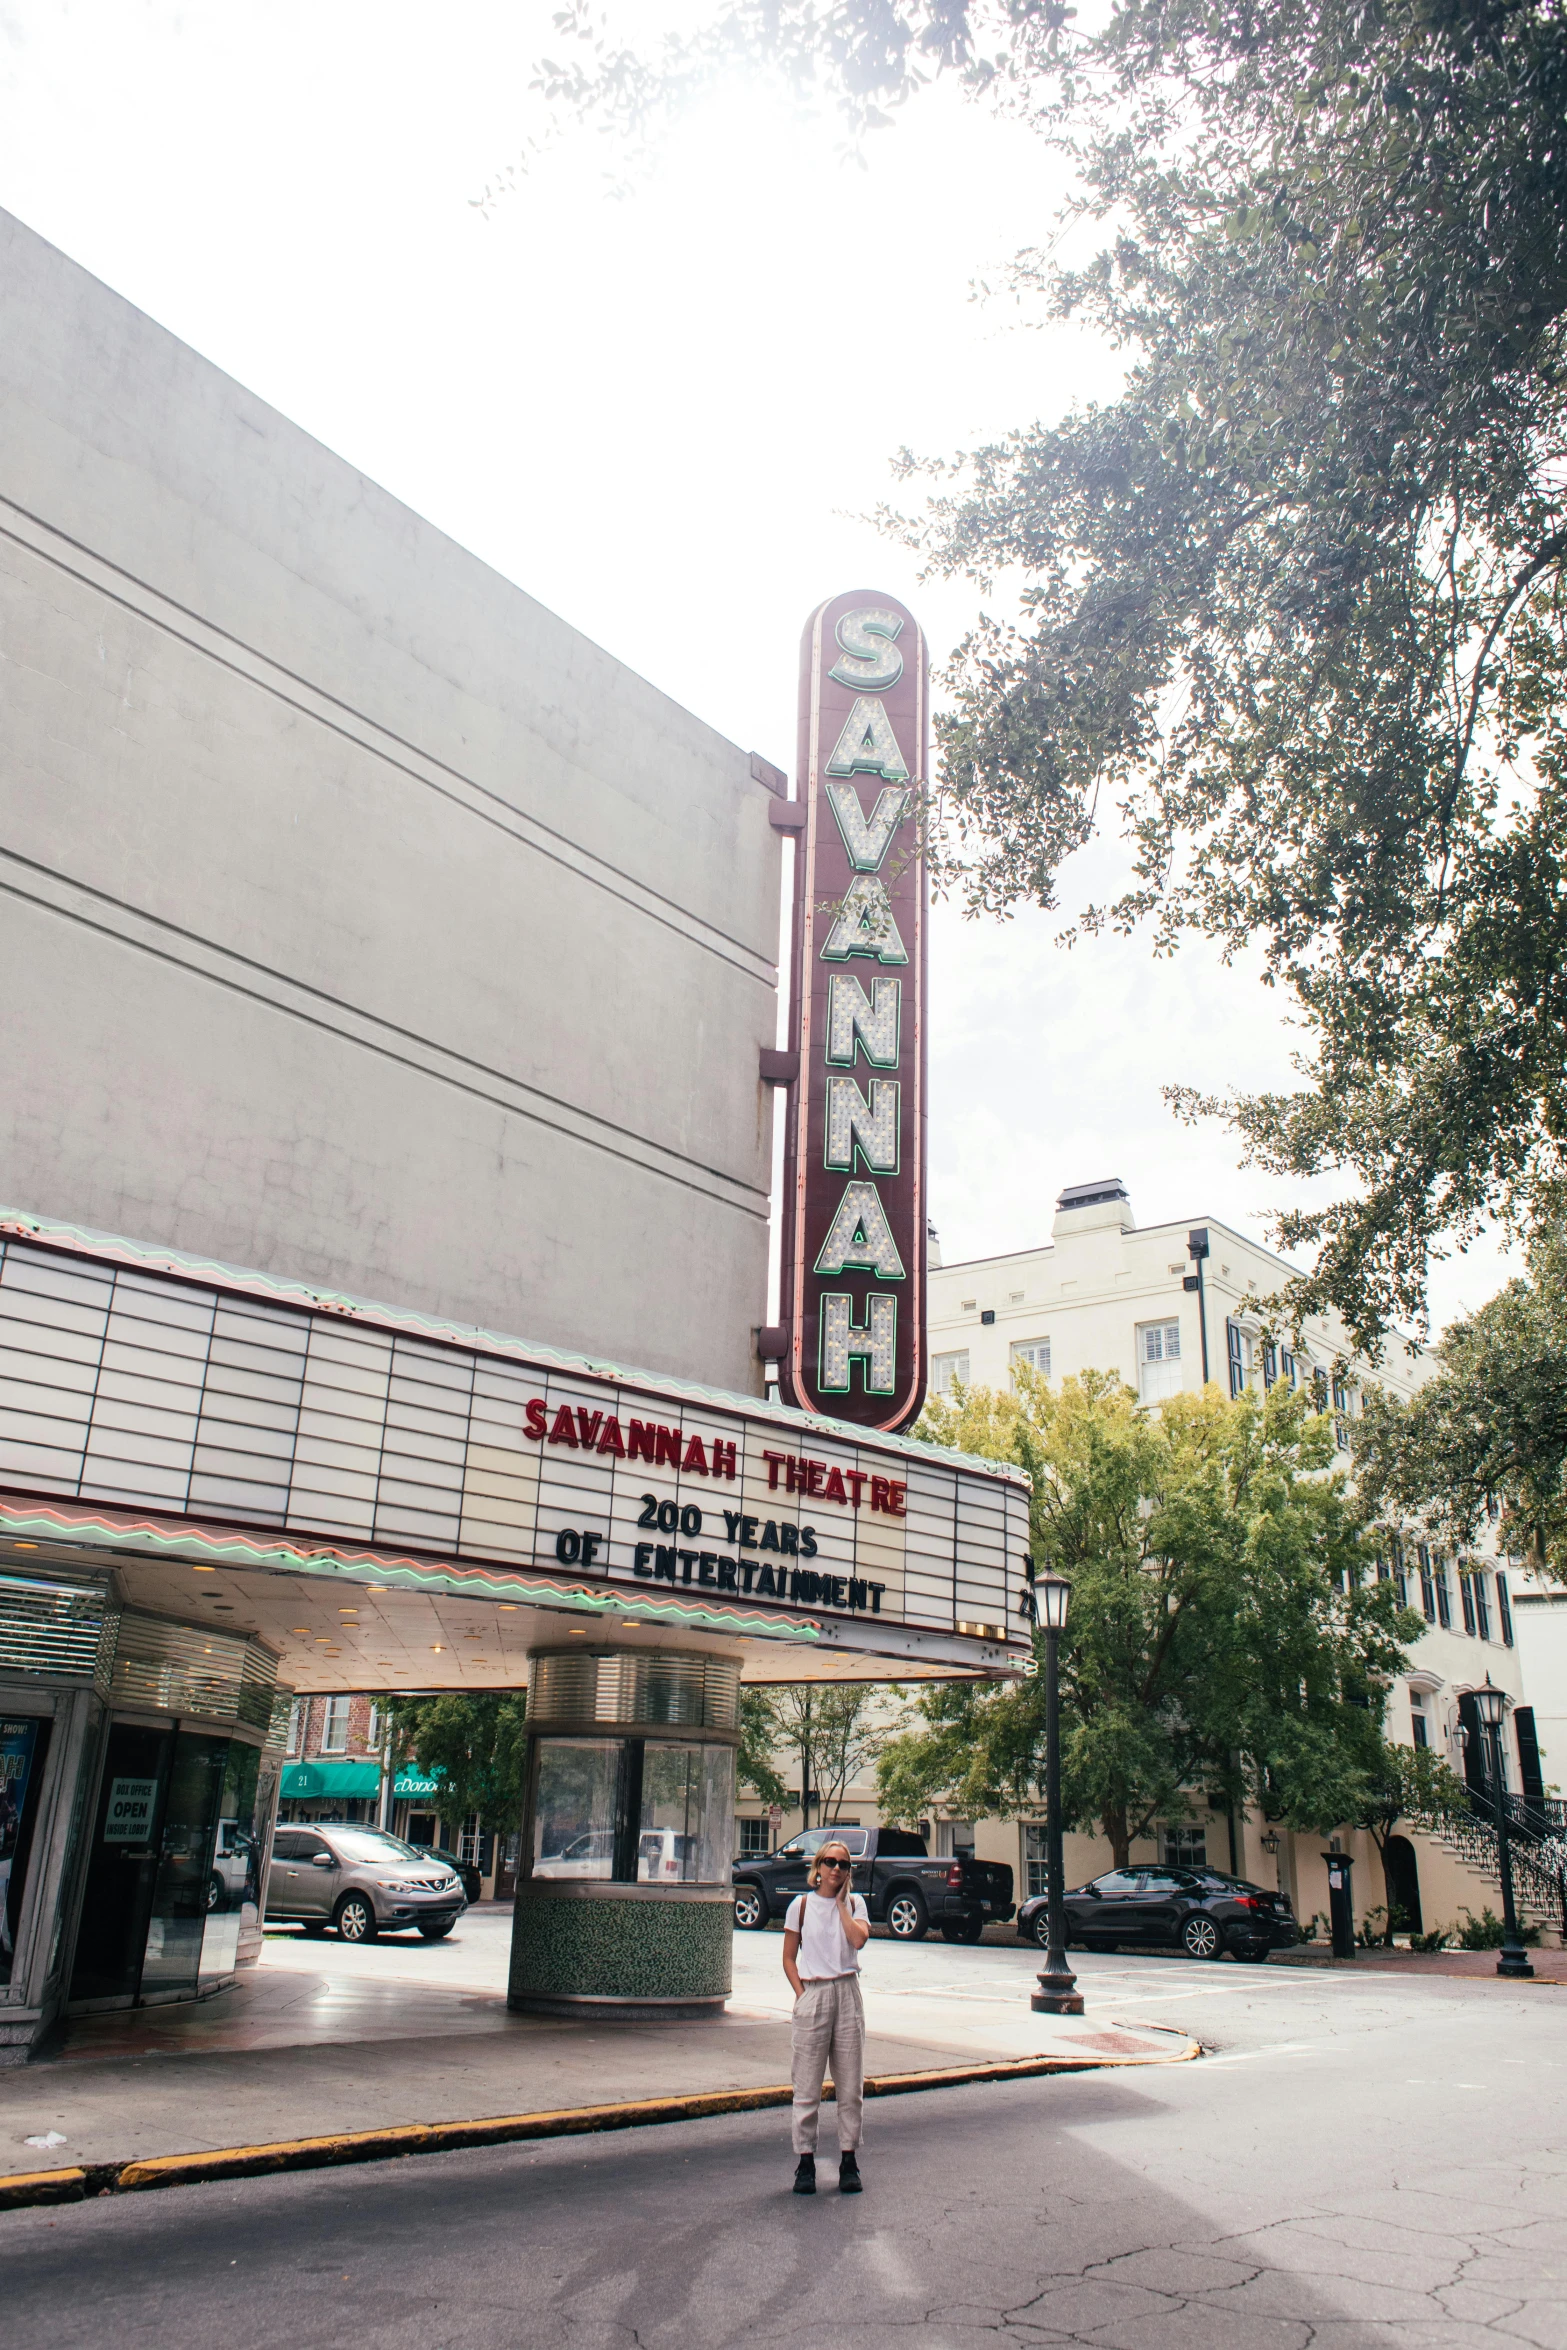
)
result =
(1406, 1783)
(474, 1745)
(1293, 605)
(759, 1735)
(1222, 1633)
(833, 1734)
(1489, 1431)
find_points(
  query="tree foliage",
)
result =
(1412, 1785)
(1292, 606)
(1489, 1432)
(475, 1745)
(1223, 1633)
(832, 1734)
(759, 1737)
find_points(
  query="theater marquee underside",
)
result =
(392, 1502)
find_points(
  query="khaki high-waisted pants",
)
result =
(829, 2026)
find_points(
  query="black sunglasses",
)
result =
(834, 1864)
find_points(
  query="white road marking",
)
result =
(1250, 2055)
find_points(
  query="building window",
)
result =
(968, 1305)
(1427, 1586)
(948, 1371)
(1289, 1368)
(1396, 1550)
(1270, 1364)
(755, 1839)
(1035, 1352)
(1240, 1356)
(1482, 1607)
(1159, 1360)
(954, 1839)
(334, 1730)
(468, 1839)
(1420, 1729)
(297, 1713)
(1035, 1864)
(1340, 1394)
(1466, 1600)
(1504, 1609)
(1444, 1597)
(1184, 1848)
(1014, 1297)
(373, 1729)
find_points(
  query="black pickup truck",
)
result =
(904, 1889)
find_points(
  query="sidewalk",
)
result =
(318, 2041)
(1550, 1966)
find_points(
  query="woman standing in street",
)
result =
(824, 1932)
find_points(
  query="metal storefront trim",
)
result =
(59, 1627)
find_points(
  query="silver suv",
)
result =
(362, 1881)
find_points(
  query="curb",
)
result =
(27, 2189)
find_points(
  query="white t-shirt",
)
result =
(825, 1949)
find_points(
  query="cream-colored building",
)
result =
(1107, 1294)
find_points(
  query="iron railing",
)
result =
(1536, 1835)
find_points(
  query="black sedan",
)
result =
(1200, 1911)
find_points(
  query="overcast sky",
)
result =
(637, 408)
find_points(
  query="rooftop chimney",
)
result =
(1091, 1207)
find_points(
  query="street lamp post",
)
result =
(1491, 1706)
(1058, 1993)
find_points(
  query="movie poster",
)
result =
(19, 1736)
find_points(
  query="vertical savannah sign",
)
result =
(853, 1291)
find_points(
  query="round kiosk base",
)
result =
(622, 1953)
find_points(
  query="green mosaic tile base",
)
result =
(621, 1949)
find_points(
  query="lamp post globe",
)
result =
(1491, 1706)
(1057, 1993)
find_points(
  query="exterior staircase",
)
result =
(1537, 1834)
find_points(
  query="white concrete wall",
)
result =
(361, 920)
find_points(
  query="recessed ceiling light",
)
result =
(24, 1546)
(578, 1632)
(195, 1570)
(436, 1648)
(300, 1631)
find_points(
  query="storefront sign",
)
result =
(132, 1803)
(854, 1224)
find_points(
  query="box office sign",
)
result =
(854, 1224)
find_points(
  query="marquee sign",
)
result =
(208, 1395)
(854, 1224)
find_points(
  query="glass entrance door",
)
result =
(182, 1888)
(122, 1866)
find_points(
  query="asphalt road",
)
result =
(1354, 2163)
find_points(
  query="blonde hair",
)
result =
(833, 1844)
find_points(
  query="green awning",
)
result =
(331, 1778)
(413, 1783)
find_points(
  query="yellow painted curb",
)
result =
(73, 2185)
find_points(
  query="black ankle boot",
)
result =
(805, 2175)
(849, 2179)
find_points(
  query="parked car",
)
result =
(904, 1888)
(362, 1881)
(472, 1876)
(1201, 1911)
